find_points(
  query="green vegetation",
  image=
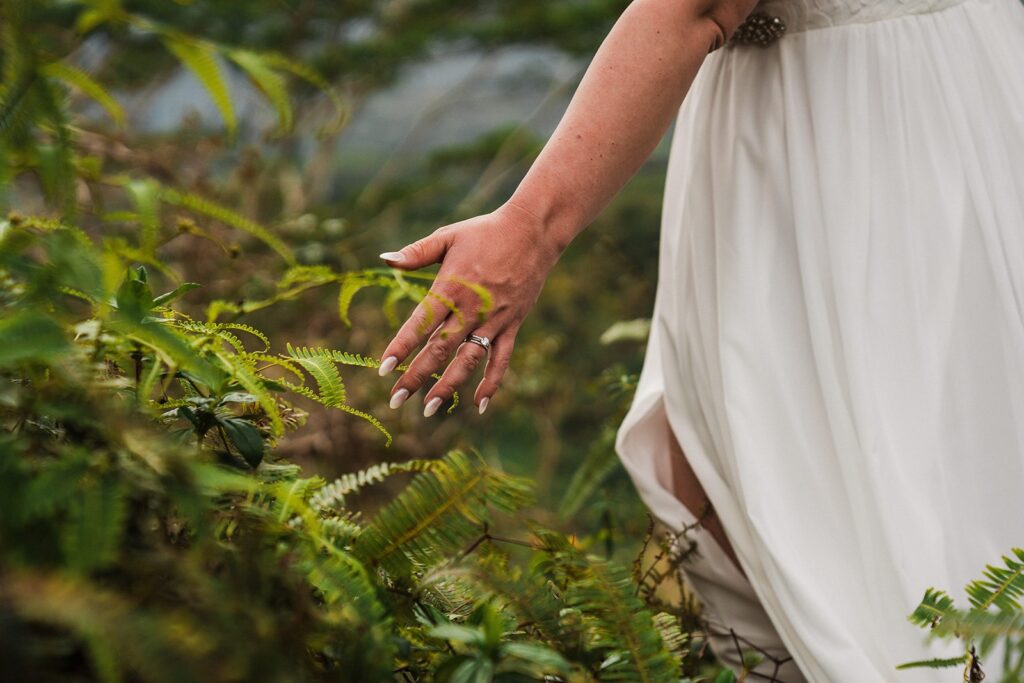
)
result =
(198, 480)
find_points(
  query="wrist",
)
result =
(554, 230)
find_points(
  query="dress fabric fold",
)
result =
(837, 338)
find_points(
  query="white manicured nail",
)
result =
(399, 398)
(483, 404)
(432, 406)
(388, 365)
(395, 256)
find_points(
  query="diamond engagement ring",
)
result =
(480, 341)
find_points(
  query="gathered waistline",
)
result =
(805, 15)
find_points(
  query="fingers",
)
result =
(468, 357)
(497, 366)
(427, 317)
(423, 252)
(431, 358)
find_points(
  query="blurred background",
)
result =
(445, 103)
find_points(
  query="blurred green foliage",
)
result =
(153, 527)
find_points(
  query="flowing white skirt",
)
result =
(838, 334)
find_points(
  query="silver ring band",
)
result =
(480, 341)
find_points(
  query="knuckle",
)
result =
(417, 249)
(470, 361)
(436, 351)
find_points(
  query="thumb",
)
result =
(423, 252)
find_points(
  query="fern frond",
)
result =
(146, 195)
(306, 275)
(372, 420)
(75, 77)
(391, 306)
(323, 369)
(270, 82)
(597, 466)
(208, 330)
(354, 282)
(248, 329)
(211, 209)
(627, 630)
(352, 359)
(440, 510)
(1001, 586)
(332, 496)
(351, 603)
(341, 530)
(935, 606)
(676, 641)
(276, 361)
(279, 62)
(96, 518)
(200, 57)
(243, 372)
(935, 663)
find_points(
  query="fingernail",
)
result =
(395, 256)
(483, 404)
(388, 365)
(399, 398)
(432, 406)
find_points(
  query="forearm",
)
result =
(623, 106)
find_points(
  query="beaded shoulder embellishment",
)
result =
(758, 29)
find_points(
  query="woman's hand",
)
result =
(508, 254)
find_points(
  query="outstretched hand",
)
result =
(508, 254)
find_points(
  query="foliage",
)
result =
(151, 528)
(993, 618)
(152, 532)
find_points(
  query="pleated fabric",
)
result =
(838, 333)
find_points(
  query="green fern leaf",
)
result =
(1001, 586)
(146, 195)
(600, 462)
(270, 82)
(332, 496)
(351, 285)
(279, 62)
(627, 630)
(75, 77)
(372, 420)
(92, 536)
(324, 371)
(438, 512)
(934, 606)
(200, 58)
(231, 218)
(935, 663)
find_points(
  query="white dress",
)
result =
(838, 333)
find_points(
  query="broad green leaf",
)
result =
(476, 670)
(30, 336)
(134, 298)
(457, 633)
(246, 438)
(544, 657)
(177, 292)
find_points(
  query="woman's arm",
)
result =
(625, 102)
